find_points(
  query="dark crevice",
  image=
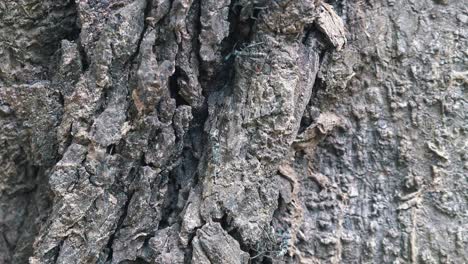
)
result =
(133, 173)
(338, 5)
(199, 115)
(28, 189)
(315, 42)
(311, 112)
(170, 210)
(61, 99)
(23, 193)
(103, 102)
(150, 235)
(67, 142)
(66, 28)
(149, 6)
(5, 239)
(56, 250)
(131, 62)
(224, 222)
(111, 149)
(196, 34)
(143, 162)
(185, 173)
(174, 88)
(235, 233)
(266, 251)
(140, 261)
(74, 33)
(83, 56)
(119, 226)
(319, 85)
(308, 32)
(70, 31)
(239, 31)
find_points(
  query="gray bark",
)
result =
(243, 131)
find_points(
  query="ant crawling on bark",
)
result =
(244, 52)
(247, 52)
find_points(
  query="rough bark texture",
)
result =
(233, 131)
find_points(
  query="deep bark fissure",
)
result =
(118, 227)
(174, 88)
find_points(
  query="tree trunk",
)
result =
(243, 131)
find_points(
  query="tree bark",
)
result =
(233, 131)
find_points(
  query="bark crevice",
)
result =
(232, 131)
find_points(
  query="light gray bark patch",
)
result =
(107, 128)
(215, 245)
(330, 24)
